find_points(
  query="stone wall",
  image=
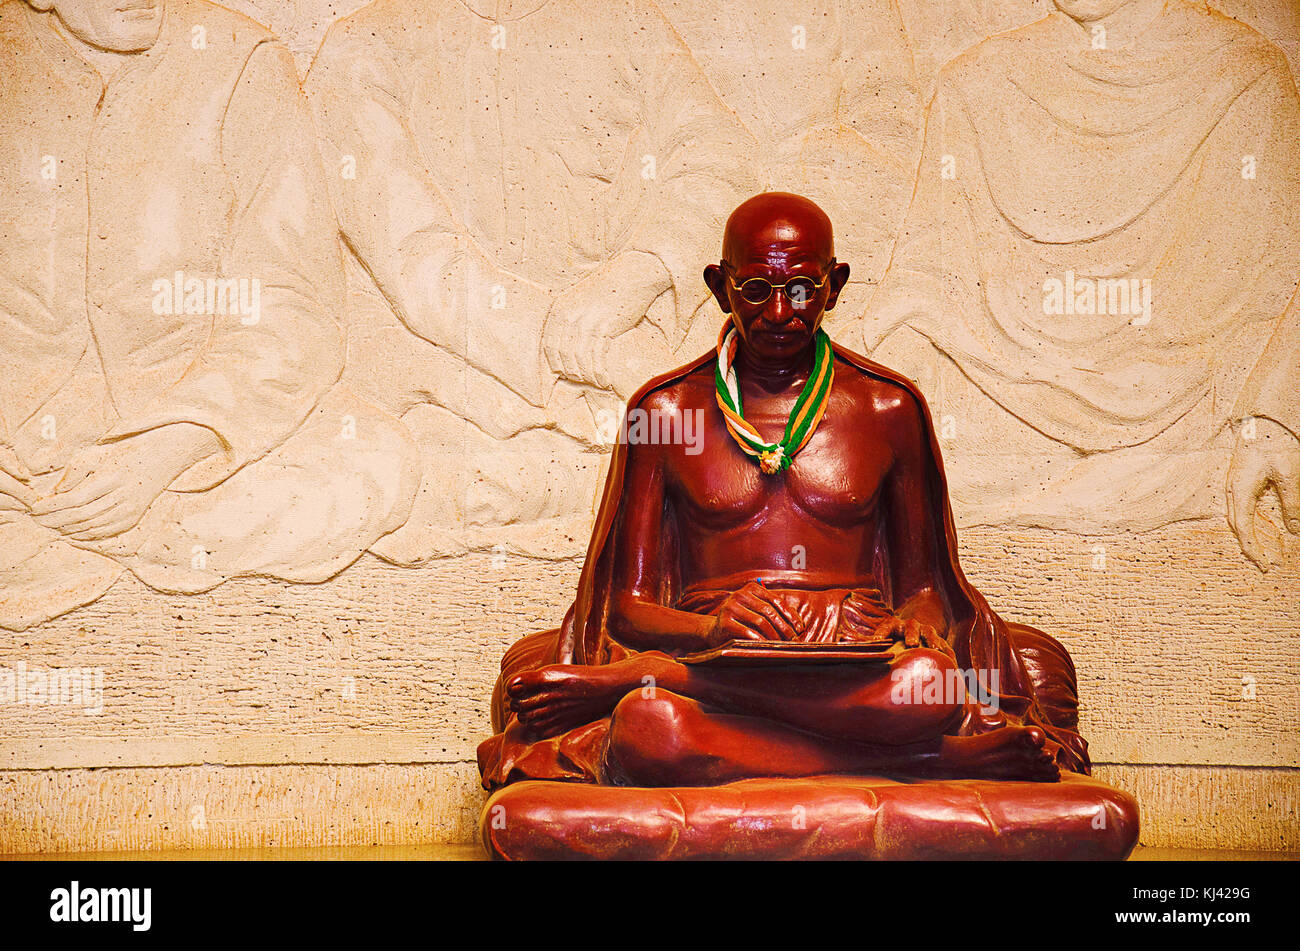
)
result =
(299, 649)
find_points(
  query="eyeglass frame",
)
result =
(773, 288)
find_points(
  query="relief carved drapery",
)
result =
(1096, 277)
(523, 195)
(171, 288)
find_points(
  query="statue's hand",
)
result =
(912, 633)
(15, 494)
(1269, 461)
(106, 489)
(754, 613)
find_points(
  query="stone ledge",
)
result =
(330, 806)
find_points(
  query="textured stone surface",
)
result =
(1213, 807)
(279, 807)
(221, 807)
(343, 705)
(396, 665)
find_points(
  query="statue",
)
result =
(170, 299)
(786, 621)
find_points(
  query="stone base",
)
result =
(829, 817)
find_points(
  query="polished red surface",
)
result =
(694, 547)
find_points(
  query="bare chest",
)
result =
(835, 480)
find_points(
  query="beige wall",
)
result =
(265, 711)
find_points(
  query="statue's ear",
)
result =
(41, 6)
(716, 278)
(839, 276)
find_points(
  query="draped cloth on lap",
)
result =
(982, 641)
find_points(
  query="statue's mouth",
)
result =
(784, 330)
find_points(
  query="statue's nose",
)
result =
(779, 309)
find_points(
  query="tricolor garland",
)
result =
(773, 457)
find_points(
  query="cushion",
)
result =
(825, 817)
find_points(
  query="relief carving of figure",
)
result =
(170, 291)
(1096, 278)
(529, 197)
(829, 88)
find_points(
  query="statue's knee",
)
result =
(930, 688)
(921, 667)
(650, 718)
(648, 733)
(1118, 821)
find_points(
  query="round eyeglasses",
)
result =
(798, 290)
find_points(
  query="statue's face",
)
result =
(119, 26)
(779, 326)
(1085, 11)
(779, 239)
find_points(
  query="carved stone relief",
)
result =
(171, 288)
(1095, 282)
(253, 326)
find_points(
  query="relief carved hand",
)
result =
(1270, 461)
(15, 494)
(588, 315)
(106, 489)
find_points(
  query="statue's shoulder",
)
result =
(693, 384)
(881, 391)
(871, 372)
(687, 387)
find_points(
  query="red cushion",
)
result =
(826, 817)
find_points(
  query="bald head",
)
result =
(777, 238)
(777, 222)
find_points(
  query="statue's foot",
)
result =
(550, 700)
(1011, 752)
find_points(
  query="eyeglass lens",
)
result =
(798, 290)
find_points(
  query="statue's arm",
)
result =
(912, 525)
(638, 619)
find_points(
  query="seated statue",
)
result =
(711, 540)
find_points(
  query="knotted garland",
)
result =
(773, 457)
